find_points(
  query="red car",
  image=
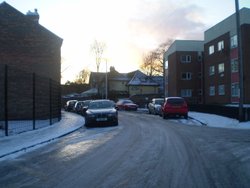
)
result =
(174, 106)
(126, 104)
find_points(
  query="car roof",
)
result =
(174, 98)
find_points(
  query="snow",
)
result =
(13, 146)
(213, 120)
(16, 144)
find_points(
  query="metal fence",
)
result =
(27, 101)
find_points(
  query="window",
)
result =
(211, 70)
(221, 67)
(211, 90)
(186, 58)
(235, 90)
(211, 49)
(234, 41)
(220, 45)
(199, 57)
(234, 65)
(221, 90)
(186, 93)
(186, 76)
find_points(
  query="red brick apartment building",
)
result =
(221, 66)
(214, 78)
(184, 73)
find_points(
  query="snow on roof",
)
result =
(140, 78)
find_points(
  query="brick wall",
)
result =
(27, 45)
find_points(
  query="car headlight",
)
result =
(91, 115)
(112, 115)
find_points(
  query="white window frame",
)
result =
(212, 91)
(221, 89)
(186, 76)
(186, 59)
(221, 67)
(220, 45)
(234, 65)
(211, 70)
(211, 50)
(234, 41)
(235, 92)
(186, 93)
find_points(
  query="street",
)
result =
(143, 151)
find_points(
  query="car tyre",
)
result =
(186, 116)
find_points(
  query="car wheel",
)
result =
(186, 116)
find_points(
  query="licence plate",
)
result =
(101, 119)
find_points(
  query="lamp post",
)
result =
(241, 101)
(106, 79)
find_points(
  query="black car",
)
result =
(100, 113)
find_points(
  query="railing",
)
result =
(27, 101)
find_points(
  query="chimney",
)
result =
(33, 15)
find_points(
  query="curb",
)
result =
(40, 143)
(198, 121)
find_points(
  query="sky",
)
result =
(128, 28)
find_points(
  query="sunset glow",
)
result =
(128, 28)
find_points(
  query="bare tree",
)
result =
(98, 49)
(82, 77)
(153, 61)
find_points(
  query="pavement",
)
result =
(14, 144)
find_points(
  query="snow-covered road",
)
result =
(143, 151)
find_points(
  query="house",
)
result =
(30, 66)
(221, 66)
(142, 84)
(184, 60)
(121, 85)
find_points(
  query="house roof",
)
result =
(12, 20)
(140, 78)
(97, 76)
(133, 78)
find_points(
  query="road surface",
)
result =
(143, 151)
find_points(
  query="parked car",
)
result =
(174, 106)
(78, 108)
(101, 112)
(70, 105)
(154, 107)
(126, 104)
(85, 105)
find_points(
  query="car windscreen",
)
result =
(100, 104)
(127, 101)
(159, 101)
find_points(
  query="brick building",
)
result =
(221, 66)
(27, 45)
(28, 49)
(216, 79)
(184, 73)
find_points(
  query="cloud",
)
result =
(161, 20)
